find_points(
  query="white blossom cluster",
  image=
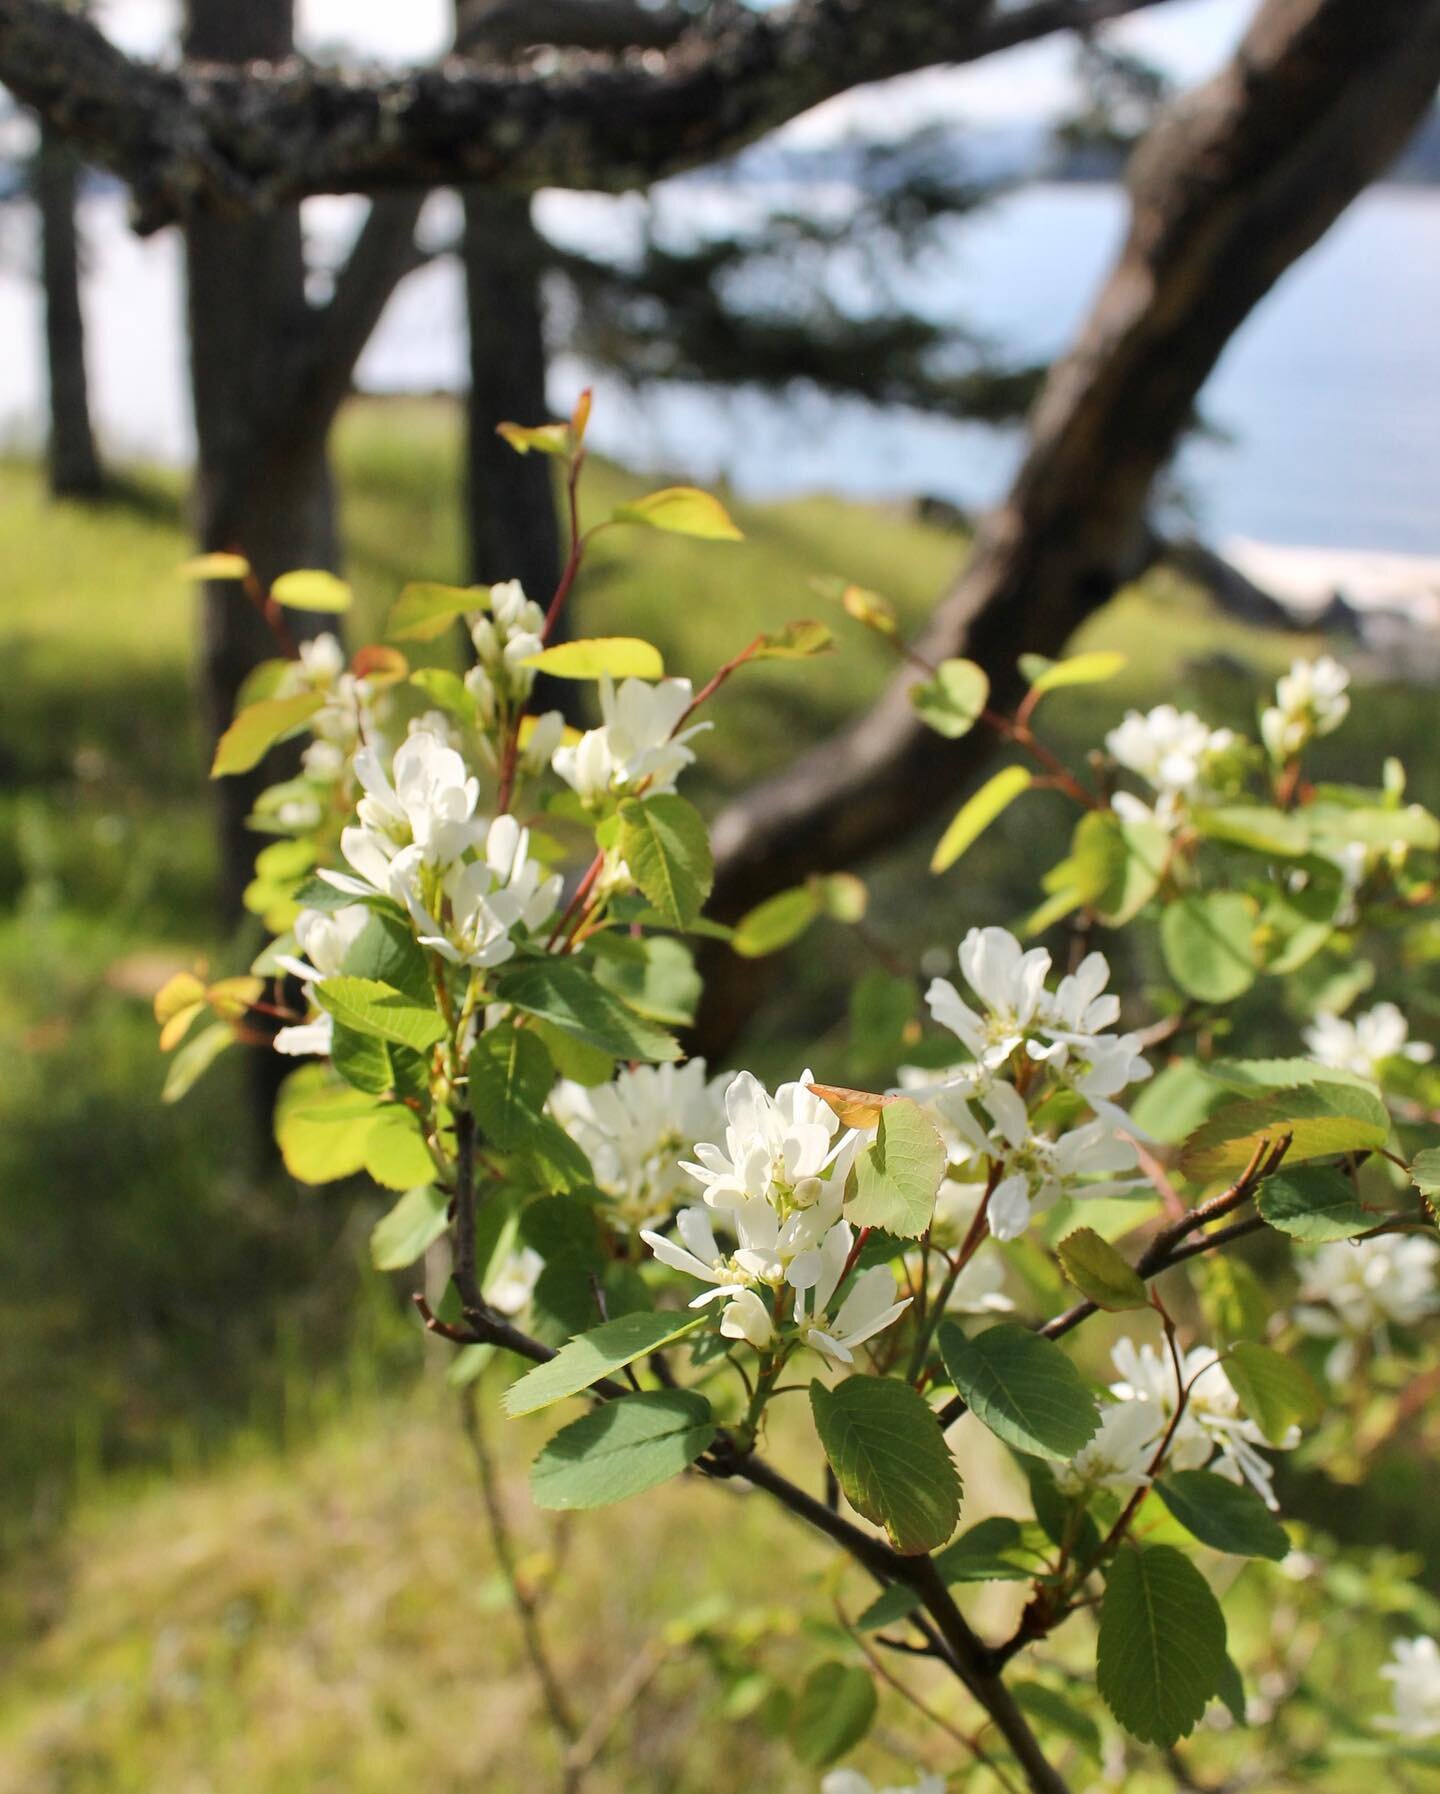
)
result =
(1413, 1673)
(1181, 758)
(1311, 700)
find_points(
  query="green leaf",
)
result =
(1022, 1387)
(1425, 1174)
(952, 702)
(890, 1457)
(1098, 1271)
(1224, 1515)
(564, 992)
(990, 1551)
(371, 1007)
(321, 1127)
(194, 1059)
(544, 439)
(510, 1076)
(395, 1151)
(1322, 1119)
(1207, 941)
(899, 1172)
(257, 729)
(1080, 669)
(977, 813)
(1115, 867)
(386, 950)
(1162, 1644)
(667, 848)
(447, 689)
(615, 656)
(425, 610)
(801, 639)
(596, 1354)
(1232, 1691)
(215, 566)
(622, 1448)
(1050, 1707)
(656, 976)
(1335, 825)
(312, 588)
(361, 1060)
(776, 922)
(1256, 826)
(411, 1227)
(1275, 1391)
(835, 1709)
(1314, 1203)
(681, 511)
(891, 1605)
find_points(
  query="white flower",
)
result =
(1363, 1046)
(636, 740)
(488, 899)
(1413, 1673)
(634, 1129)
(868, 1309)
(539, 742)
(505, 637)
(850, 1781)
(765, 1250)
(1036, 1170)
(324, 938)
(1120, 1453)
(321, 662)
(1312, 699)
(746, 1317)
(1212, 1420)
(1354, 1288)
(1170, 749)
(776, 1149)
(1009, 983)
(980, 1287)
(510, 1288)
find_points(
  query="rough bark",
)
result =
(74, 463)
(1236, 181)
(208, 134)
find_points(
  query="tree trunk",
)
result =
(509, 498)
(1237, 180)
(74, 464)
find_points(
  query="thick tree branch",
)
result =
(217, 135)
(1237, 180)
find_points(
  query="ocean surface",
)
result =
(1328, 401)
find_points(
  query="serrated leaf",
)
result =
(622, 1449)
(215, 567)
(564, 993)
(1098, 1271)
(1113, 866)
(801, 639)
(1022, 1387)
(1425, 1173)
(1162, 1644)
(361, 1060)
(1322, 1119)
(890, 1457)
(977, 813)
(776, 922)
(257, 729)
(1275, 1391)
(1080, 669)
(952, 702)
(658, 980)
(425, 610)
(395, 1152)
(410, 1229)
(615, 656)
(681, 511)
(1314, 1203)
(312, 588)
(1207, 941)
(386, 951)
(898, 1174)
(596, 1354)
(991, 1551)
(1224, 1515)
(835, 1708)
(321, 1128)
(665, 844)
(372, 1007)
(510, 1077)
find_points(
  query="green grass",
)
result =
(275, 1577)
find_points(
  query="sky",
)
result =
(1187, 38)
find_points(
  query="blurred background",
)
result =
(241, 1543)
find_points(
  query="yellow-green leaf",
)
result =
(425, 610)
(798, 640)
(776, 922)
(619, 656)
(977, 813)
(215, 566)
(312, 588)
(544, 439)
(1081, 669)
(256, 730)
(683, 511)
